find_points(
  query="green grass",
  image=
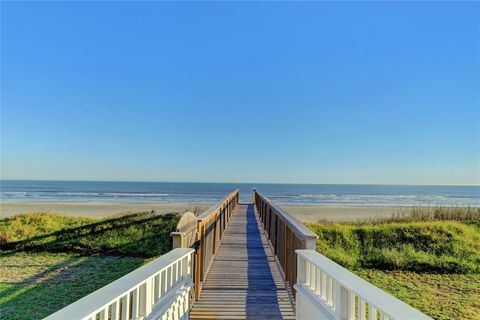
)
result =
(48, 261)
(432, 264)
(34, 285)
(441, 296)
(136, 235)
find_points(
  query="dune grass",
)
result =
(425, 246)
(439, 213)
(428, 258)
(48, 261)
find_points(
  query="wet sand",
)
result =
(104, 209)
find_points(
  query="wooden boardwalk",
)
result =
(244, 281)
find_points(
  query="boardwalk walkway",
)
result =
(244, 281)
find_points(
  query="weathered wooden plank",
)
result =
(244, 281)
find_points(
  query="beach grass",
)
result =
(435, 213)
(48, 261)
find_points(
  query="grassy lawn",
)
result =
(441, 296)
(34, 285)
(49, 261)
(430, 260)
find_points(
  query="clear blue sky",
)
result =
(241, 92)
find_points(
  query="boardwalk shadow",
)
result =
(262, 299)
(64, 280)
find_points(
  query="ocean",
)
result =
(285, 194)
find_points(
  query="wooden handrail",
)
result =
(204, 236)
(210, 228)
(286, 234)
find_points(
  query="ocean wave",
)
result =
(165, 193)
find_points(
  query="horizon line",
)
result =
(225, 182)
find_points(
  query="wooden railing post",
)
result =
(196, 279)
(186, 231)
(215, 230)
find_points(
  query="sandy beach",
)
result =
(103, 209)
(92, 209)
(338, 213)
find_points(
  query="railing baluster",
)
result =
(179, 271)
(115, 311)
(134, 297)
(324, 286)
(126, 307)
(164, 282)
(338, 302)
(307, 272)
(313, 282)
(318, 281)
(372, 312)
(148, 297)
(330, 290)
(156, 291)
(351, 306)
(103, 315)
(361, 309)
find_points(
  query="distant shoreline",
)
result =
(308, 213)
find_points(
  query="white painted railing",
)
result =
(325, 290)
(161, 289)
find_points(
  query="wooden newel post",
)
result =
(311, 243)
(186, 231)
